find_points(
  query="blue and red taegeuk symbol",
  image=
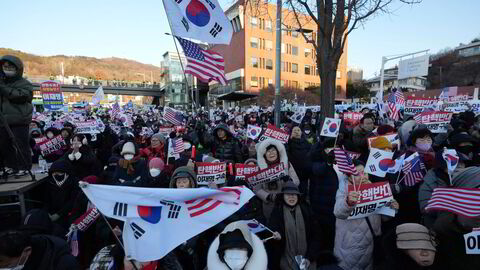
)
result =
(151, 214)
(385, 164)
(452, 159)
(197, 13)
(333, 127)
(253, 132)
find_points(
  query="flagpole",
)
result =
(410, 170)
(181, 64)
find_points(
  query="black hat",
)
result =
(290, 188)
(420, 132)
(232, 239)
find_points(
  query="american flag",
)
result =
(461, 201)
(394, 99)
(115, 110)
(413, 170)
(178, 146)
(199, 207)
(173, 116)
(206, 65)
(344, 162)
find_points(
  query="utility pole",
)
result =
(278, 61)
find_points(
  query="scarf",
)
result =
(128, 164)
(295, 237)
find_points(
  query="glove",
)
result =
(78, 155)
(71, 157)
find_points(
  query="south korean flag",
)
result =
(202, 20)
(331, 127)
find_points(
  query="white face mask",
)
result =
(128, 156)
(9, 73)
(155, 172)
(236, 258)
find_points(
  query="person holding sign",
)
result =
(295, 230)
(354, 238)
(270, 153)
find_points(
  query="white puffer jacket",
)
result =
(353, 239)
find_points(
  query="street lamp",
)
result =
(278, 60)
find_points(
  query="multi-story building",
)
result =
(173, 79)
(390, 80)
(250, 57)
(354, 75)
(468, 50)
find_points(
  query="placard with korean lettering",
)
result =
(270, 174)
(241, 170)
(437, 122)
(50, 146)
(375, 199)
(52, 95)
(275, 133)
(207, 172)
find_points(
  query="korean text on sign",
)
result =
(211, 172)
(375, 199)
(275, 133)
(50, 146)
(241, 170)
(270, 174)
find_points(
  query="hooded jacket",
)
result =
(184, 170)
(264, 191)
(16, 95)
(225, 150)
(49, 252)
(257, 260)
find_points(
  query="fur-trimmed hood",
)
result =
(257, 261)
(262, 149)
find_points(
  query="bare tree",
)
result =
(334, 21)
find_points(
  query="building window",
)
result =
(270, 81)
(308, 69)
(268, 45)
(283, 66)
(339, 75)
(294, 84)
(254, 81)
(269, 65)
(283, 47)
(294, 50)
(254, 62)
(295, 68)
(268, 26)
(253, 22)
(254, 42)
(308, 52)
(282, 83)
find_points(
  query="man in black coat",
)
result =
(223, 145)
(38, 252)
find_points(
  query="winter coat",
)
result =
(296, 151)
(86, 165)
(433, 179)
(257, 261)
(60, 199)
(227, 150)
(353, 238)
(50, 252)
(150, 152)
(16, 95)
(141, 171)
(360, 137)
(277, 224)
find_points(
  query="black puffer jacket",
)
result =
(227, 150)
(297, 152)
(16, 95)
(50, 252)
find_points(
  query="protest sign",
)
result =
(375, 199)
(392, 138)
(275, 133)
(267, 175)
(472, 242)
(88, 127)
(241, 170)
(50, 146)
(52, 95)
(40, 140)
(437, 122)
(165, 131)
(215, 172)
(352, 119)
(414, 106)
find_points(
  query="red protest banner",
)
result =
(352, 119)
(275, 133)
(211, 172)
(375, 199)
(241, 170)
(50, 146)
(270, 174)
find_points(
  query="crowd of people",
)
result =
(306, 211)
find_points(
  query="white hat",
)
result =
(128, 148)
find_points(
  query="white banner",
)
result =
(413, 67)
(375, 199)
(208, 172)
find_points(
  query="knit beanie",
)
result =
(381, 143)
(156, 163)
(159, 137)
(128, 148)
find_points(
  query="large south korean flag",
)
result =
(202, 20)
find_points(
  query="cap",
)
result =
(290, 188)
(415, 236)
